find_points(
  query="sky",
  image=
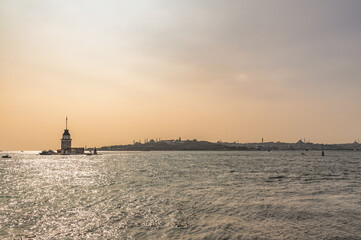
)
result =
(212, 70)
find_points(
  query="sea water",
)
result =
(181, 195)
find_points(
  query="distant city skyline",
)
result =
(209, 70)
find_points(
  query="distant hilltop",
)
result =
(173, 145)
(195, 145)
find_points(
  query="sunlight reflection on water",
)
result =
(177, 195)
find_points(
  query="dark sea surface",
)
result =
(181, 195)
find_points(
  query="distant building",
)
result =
(66, 143)
(66, 148)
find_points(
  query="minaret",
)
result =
(66, 140)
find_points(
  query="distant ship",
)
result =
(50, 152)
(6, 156)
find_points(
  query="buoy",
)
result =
(323, 153)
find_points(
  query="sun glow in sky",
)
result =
(211, 70)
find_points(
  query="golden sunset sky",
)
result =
(211, 70)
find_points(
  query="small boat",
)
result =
(6, 156)
(50, 152)
(94, 152)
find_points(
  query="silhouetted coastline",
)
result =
(195, 145)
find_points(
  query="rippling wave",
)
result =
(181, 195)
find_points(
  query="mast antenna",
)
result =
(66, 124)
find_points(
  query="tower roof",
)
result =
(66, 132)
